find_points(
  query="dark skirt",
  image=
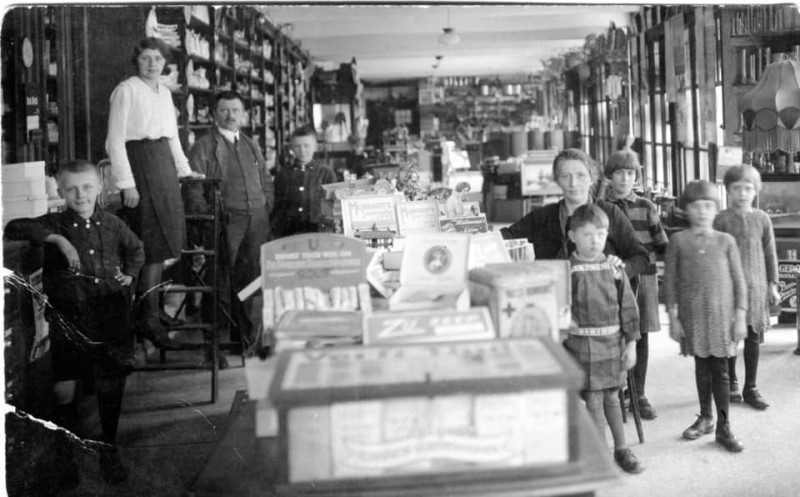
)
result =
(158, 219)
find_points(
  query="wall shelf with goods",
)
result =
(752, 38)
(293, 106)
(37, 87)
(233, 48)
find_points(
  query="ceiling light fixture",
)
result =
(449, 37)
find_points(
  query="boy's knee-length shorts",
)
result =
(92, 338)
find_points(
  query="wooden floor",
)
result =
(169, 428)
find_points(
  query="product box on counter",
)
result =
(389, 419)
(433, 273)
(435, 325)
(313, 272)
(521, 298)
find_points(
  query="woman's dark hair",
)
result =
(228, 95)
(151, 43)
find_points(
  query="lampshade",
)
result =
(771, 110)
(449, 37)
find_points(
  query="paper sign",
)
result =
(469, 224)
(368, 212)
(320, 260)
(418, 217)
(487, 248)
(428, 326)
(787, 284)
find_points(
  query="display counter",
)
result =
(242, 465)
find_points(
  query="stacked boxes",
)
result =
(24, 190)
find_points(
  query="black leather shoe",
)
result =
(155, 332)
(726, 439)
(111, 466)
(702, 426)
(646, 411)
(627, 461)
(736, 396)
(754, 398)
(168, 320)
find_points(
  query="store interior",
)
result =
(460, 109)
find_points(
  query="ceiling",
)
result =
(401, 41)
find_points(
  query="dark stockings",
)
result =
(109, 405)
(640, 368)
(752, 345)
(711, 375)
(149, 278)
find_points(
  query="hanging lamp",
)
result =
(771, 110)
(449, 36)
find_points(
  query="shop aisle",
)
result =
(701, 468)
(168, 431)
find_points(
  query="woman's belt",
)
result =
(148, 140)
(594, 332)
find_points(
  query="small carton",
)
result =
(433, 274)
(521, 298)
(22, 171)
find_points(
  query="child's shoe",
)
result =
(646, 411)
(754, 398)
(627, 461)
(736, 397)
(728, 440)
(702, 426)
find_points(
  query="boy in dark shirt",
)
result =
(298, 188)
(90, 261)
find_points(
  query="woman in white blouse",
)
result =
(146, 162)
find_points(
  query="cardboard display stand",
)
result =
(398, 417)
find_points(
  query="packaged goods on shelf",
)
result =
(313, 272)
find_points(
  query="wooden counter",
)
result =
(242, 465)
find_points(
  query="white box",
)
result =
(22, 171)
(21, 207)
(34, 187)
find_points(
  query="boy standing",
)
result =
(606, 326)
(298, 188)
(90, 261)
(622, 170)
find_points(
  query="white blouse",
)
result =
(138, 112)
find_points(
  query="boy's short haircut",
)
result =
(77, 166)
(622, 159)
(588, 214)
(699, 190)
(304, 131)
(742, 173)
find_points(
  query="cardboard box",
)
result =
(22, 207)
(433, 273)
(393, 418)
(521, 298)
(22, 171)
(34, 187)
